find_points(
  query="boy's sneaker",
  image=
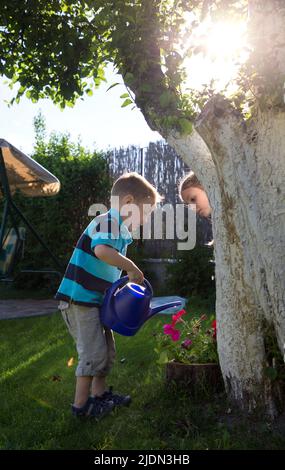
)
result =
(95, 407)
(117, 399)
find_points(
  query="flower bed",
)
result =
(188, 347)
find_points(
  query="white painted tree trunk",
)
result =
(243, 170)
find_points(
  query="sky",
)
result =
(99, 120)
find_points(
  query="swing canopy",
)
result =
(26, 175)
(18, 172)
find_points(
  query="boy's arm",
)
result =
(111, 256)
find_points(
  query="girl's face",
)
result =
(194, 195)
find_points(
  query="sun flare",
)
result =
(221, 51)
(225, 40)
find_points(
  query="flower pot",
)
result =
(195, 377)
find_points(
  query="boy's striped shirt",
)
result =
(86, 277)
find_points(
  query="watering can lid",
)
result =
(136, 289)
(124, 281)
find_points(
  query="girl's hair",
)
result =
(136, 185)
(190, 180)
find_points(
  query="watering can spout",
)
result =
(159, 308)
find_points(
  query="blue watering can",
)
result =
(126, 306)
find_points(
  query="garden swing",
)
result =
(18, 172)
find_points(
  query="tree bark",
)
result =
(246, 165)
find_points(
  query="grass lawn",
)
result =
(36, 388)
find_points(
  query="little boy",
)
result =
(97, 261)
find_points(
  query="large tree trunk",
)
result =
(245, 183)
(242, 167)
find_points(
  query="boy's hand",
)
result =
(135, 275)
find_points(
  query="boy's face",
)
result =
(145, 209)
(194, 195)
(139, 211)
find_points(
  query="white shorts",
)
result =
(94, 342)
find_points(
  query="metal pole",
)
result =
(38, 237)
(3, 224)
(6, 195)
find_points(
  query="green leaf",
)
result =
(125, 95)
(127, 102)
(112, 86)
(185, 126)
(163, 358)
(165, 99)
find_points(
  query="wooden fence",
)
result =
(162, 167)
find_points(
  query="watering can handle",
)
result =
(148, 286)
(124, 280)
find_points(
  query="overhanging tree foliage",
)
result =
(233, 141)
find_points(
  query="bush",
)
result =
(60, 219)
(193, 273)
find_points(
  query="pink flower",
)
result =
(214, 326)
(175, 335)
(186, 344)
(177, 316)
(169, 330)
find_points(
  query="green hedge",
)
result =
(60, 219)
(193, 274)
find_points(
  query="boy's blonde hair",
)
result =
(136, 185)
(189, 181)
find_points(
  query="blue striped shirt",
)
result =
(87, 277)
